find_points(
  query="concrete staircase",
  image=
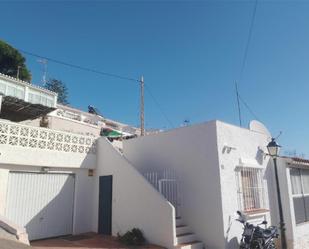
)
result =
(185, 238)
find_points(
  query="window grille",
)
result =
(300, 194)
(251, 193)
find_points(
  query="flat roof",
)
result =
(25, 83)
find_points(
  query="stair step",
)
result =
(182, 229)
(191, 245)
(185, 238)
(179, 221)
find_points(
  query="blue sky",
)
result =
(190, 53)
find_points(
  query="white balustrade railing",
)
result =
(14, 134)
(168, 184)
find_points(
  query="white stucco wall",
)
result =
(192, 153)
(245, 152)
(83, 201)
(135, 202)
(14, 155)
(62, 124)
(3, 188)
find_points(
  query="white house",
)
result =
(220, 169)
(181, 187)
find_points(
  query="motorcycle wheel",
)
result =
(243, 246)
(271, 245)
(255, 245)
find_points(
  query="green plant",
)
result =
(134, 237)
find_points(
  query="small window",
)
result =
(251, 196)
(300, 194)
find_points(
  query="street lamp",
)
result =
(273, 150)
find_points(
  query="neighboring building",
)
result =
(294, 181)
(69, 119)
(23, 101)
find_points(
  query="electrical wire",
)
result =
(79, 67)
(159, 106)
(244, 60)
(249, 109)
(102, 73)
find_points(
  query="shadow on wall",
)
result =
(89, 160)
(233, 242)
(260, 156)
(272, 195)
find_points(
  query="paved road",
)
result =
(5, 235)
(11, 244)
(9, 241)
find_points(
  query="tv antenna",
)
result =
(43, 62)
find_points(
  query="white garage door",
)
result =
(43, 203)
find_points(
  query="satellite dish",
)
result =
(257, 126)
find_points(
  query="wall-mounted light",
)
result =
(90, 172)
(227, 148)
(45, 169)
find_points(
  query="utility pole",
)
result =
(142, 107)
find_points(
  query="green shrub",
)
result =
(134, 237)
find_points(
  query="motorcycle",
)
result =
(255, 237)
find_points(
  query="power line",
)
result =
(102, 73)
(243, 64)
(248, 41)
(249, 109)
(79, 67)
(238, 105)
(159, 106)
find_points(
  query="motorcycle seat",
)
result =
(269, 232)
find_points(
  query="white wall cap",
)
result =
(249, 162)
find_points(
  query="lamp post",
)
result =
(273, 150)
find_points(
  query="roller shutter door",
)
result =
(42, 203)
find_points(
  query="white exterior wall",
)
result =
(3, 188)
(135, 202)
(83, 201)
(24, 88)
(45, 158)
(245, 152)
(192, 153)
(62, 124)
(34, 146)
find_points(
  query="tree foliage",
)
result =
(59, 87)
(11, 60)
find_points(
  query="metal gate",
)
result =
(168, 184)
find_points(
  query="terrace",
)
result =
(22, 100)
